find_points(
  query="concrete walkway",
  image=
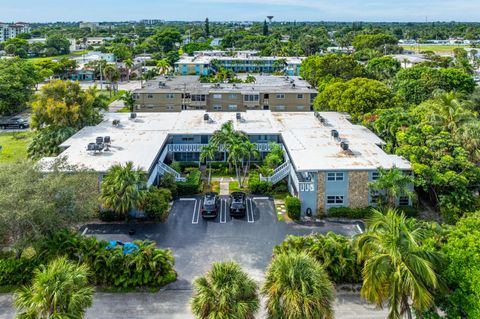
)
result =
(174, 304)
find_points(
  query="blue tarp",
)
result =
(128, 248)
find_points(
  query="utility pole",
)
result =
(141, 69)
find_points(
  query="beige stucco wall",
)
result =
(358, 189)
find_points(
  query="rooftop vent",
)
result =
(161, 84)
(344, 145)
(116, 123)
(334, 134)
(238, 116)
(206, 117)
(133, 116)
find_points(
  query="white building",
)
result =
(11, 30)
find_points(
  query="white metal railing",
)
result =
(197, 148)
(164, 169)
(295, 180)
(280, 173)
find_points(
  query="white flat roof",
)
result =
(308, 142)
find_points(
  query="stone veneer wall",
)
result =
(321, 193)
(358, 189)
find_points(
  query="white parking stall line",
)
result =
(196, 212)
(187, 199)
(264, 198)
(250, 218)
(223, 211)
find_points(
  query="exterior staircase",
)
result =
(165, 169)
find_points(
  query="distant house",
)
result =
(409, 60)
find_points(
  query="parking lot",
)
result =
(196, 242)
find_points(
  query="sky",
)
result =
(240, 10)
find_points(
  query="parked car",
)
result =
(13, 122)
(238, 204)
(210, 205)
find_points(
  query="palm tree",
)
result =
(58, 290)
(396, 269)
(120, 189)
(225, 292)
(163, 67)
(395, 183)
(297, 286)
(251, 152)
(208, 154)
(236, 156)
(128, 99)
(129, 64)
(449, 111)
(111, 73)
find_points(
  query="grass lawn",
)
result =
(14, 146)
(214, 187)
(233, 187)
(447, 48)
(73, 54)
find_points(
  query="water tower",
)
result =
(270, 19)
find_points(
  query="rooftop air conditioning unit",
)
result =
(99, 140)
(206, 117)
(334, 134)
(133, 116)
(116, 123)
(344, 145)
(238, 116)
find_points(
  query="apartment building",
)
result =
(11, 30)
(328, 161)
(205, 62)
(177, 93)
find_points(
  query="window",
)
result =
(217, 107)
(232, 96)
(149, 106)
(170, 95)
(217, 96)
(375, 197)
(169, 107)
(299, 96)
(187, 139)
(280, 107)
(198, 97)
(375, 175)
(300, 107)
(251, 98)
(403, 201)
(280, 96)
(335, 176)
(232, 107)
(150, 96)
(332, 200)
(136, 96)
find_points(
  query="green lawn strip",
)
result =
(73, 54)
(434, 48)
(233, 187)
(14, 146)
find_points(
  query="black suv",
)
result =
(13, 122)
(238, 204)
(210, 205)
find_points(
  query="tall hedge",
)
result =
(293, 206)
(149, 266)
(193, 184)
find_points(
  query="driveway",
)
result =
(196, 243)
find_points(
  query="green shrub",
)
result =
(346, 212)
(155, 203)
(409, 211)
(185, 166)
(335, 252)
(256, 186)
(293, 206)
(193, 184)
(168, 181)
(107, 215)
(16, 271)
(147, 267)
(176, 166)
